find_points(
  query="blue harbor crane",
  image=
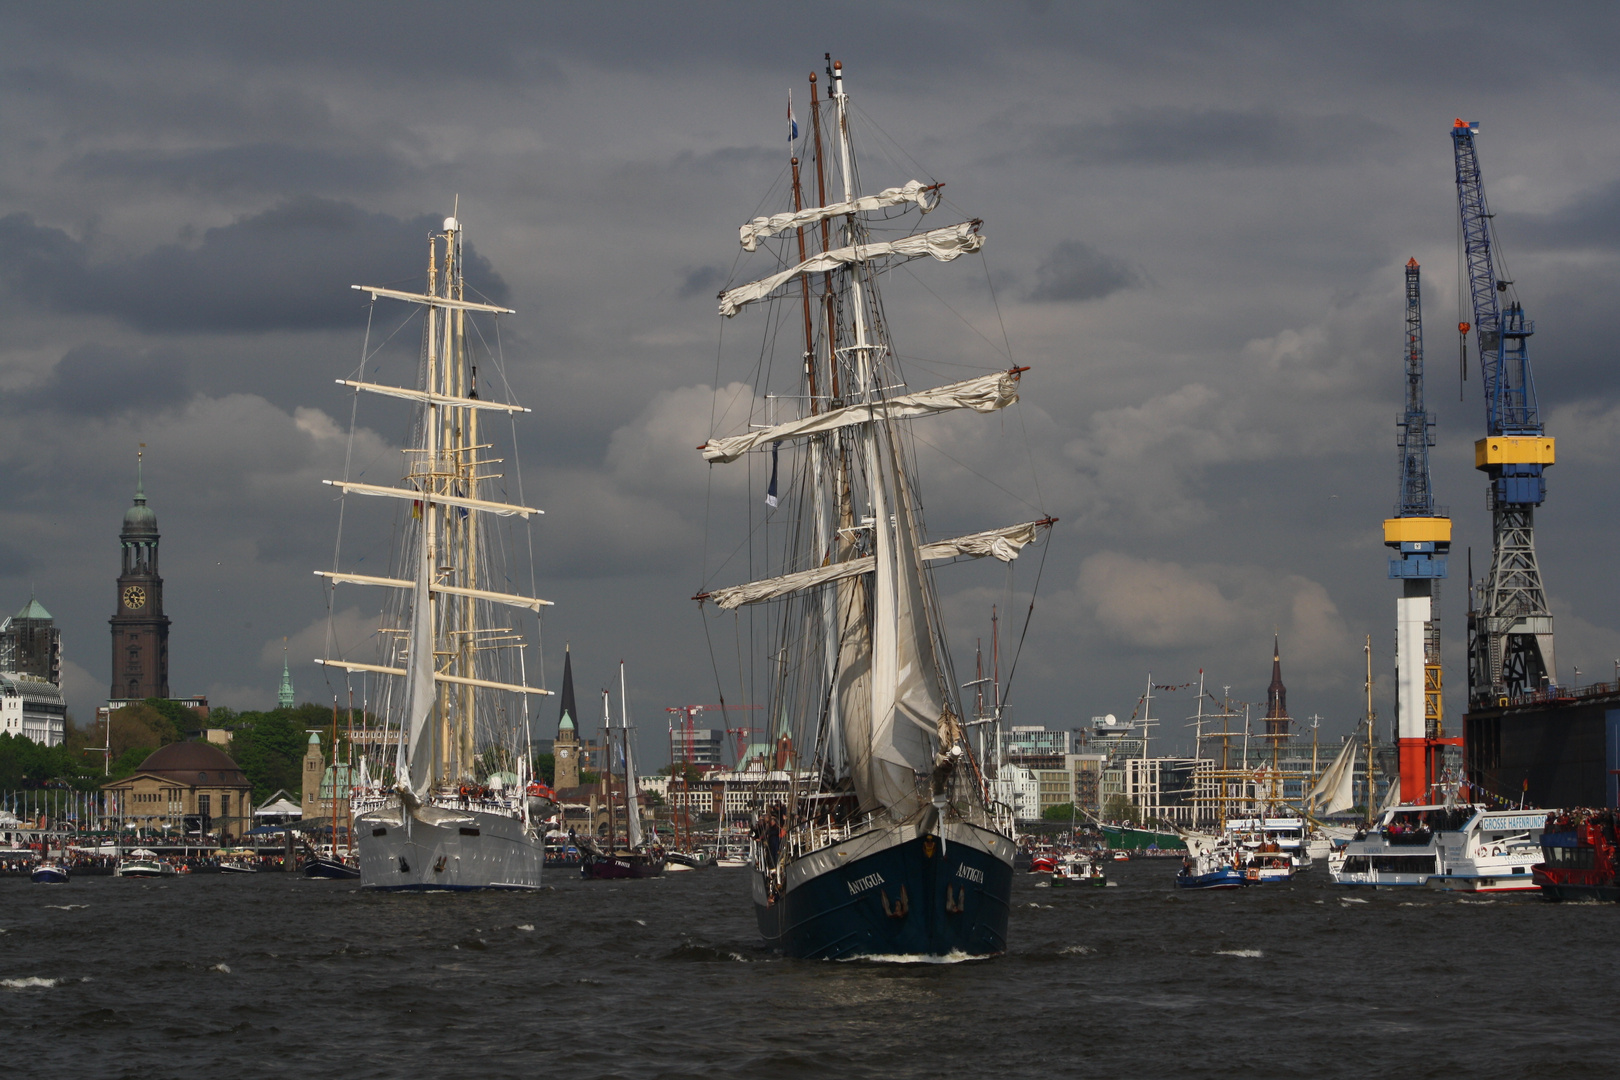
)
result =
(1421, 533)
(1510, 629)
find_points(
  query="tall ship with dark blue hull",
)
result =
(880, 837)
(881, 893)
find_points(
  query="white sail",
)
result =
(1341, 796)
(1333, 790)
(913, 191)
(1003, 544)
(433, 301)
(419, 691)
(435, 399)
(436, 497)
(943, 244)
(984, 393)
(517, 600)
(1392, 795)
(632, 800)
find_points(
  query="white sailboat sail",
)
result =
(925, 196)
(419, 688)
(984, 393)
(1333, 791)
(1002, 544)
(943, 244)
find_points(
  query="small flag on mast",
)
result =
(793, 125)
(770, 492)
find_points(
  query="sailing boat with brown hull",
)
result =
(640, 856)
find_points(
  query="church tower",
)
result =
(1277, 719)
(140, 630)
(285, 698)
(565, 750)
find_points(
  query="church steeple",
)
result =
(284, 697)
(1277, 718)
(140, 630)
(565, 751)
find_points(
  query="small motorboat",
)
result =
(330, 868)
(143, 863)
(51, 872)
(1213, 864)
(687, 860)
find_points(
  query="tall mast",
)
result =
(1372, 788)
(607, 769)
(430, 550)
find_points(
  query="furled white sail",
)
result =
(913, 191)
(432, 301)
(985, 393)
(943, 244)
(1003, 544)
(532, 603)
(436, 497)
(434, 399)
(419, 692)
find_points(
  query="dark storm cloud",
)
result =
(99, 380)
(254, 167)
(1078, 271)
(1235, 138)
(701, 281)
(288, 268)
(1591, 221)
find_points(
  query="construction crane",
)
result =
(1421, 533)
(1510, 629)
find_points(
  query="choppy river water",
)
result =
(273, 976)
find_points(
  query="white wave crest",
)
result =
(1249, 954)
(222, 966)
(955, 956)
(32, 982)
(68, 907)
(1076, 950)
(527, 928)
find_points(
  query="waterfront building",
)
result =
(33, 708)
(700, 747)
(189, 787)
(140, 630)
(314, 771)
(30, 644)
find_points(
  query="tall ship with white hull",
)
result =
(885, 841)
(452, 808)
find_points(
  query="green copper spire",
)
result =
(284, 698)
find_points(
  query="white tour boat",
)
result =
(1463, 847)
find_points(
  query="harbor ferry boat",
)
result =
(1581, 857)
(887, 840)
(1463, 847)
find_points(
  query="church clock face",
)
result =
(562, 753)
(134, 597)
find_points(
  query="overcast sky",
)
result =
(1197, 218)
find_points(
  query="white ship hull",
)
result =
(453, 849)
(1492, 852)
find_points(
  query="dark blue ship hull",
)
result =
(916, 897)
